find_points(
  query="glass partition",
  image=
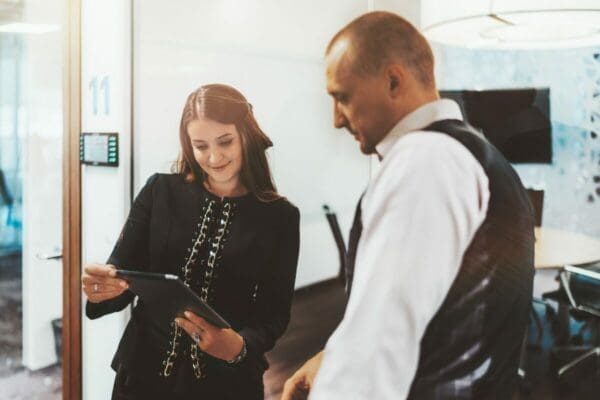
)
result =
(31, 138)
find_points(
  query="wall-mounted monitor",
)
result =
(516, 121)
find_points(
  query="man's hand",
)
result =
(298, 385)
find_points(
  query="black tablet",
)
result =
(166, 297)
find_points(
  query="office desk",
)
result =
(555, 248)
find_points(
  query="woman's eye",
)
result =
(226, 143)
(201, 148)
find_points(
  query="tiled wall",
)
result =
(572, 182)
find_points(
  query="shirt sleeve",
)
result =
(131, 249)
(419, 216)
(274, 295)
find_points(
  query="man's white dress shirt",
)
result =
(419, 215)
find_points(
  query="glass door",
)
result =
(31, 143)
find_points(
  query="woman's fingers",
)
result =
(224, 344)
(99, 282)
(106, 270)
(91, 288)
(198, 329)
(199, 321)
(102, 275)
(90, 280)
(94, 287)
(191, 329)
(97, 297)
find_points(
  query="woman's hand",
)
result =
(99, 283)
(225, 344)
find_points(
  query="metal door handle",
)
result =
(55, 255)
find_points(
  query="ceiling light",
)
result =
(520, 29)
(22, 27)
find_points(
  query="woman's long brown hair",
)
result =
(226, 105)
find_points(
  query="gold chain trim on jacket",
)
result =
(208, 275)
(198, 241)
(215, 246)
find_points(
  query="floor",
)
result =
(315, 314)
(15, 380)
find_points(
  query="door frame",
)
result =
(72, 298)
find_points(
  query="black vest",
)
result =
(471, 347)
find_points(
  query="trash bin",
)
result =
(57, 329)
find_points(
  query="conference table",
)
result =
(555, 248)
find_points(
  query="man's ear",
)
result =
(395, 77)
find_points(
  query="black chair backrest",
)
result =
(339, 240)
(4, 194)
(536, 197)
(582, 286)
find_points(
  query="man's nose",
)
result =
(339, 120)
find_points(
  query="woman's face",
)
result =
(217, 149)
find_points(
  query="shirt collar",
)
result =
(421, 117)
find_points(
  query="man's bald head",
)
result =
(381, 38)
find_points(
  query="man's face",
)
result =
(361, 103)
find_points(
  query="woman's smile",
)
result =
(221, 167)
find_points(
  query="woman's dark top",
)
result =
(241, 255)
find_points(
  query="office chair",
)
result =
(536, 199)
(582, 291)
(6, 198)
(4, 193)
(339, 241)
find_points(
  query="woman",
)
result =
(219, 224)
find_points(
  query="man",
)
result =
(442, 242)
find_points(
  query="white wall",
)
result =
(408, 9)
(272, 51)
(106, 57)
